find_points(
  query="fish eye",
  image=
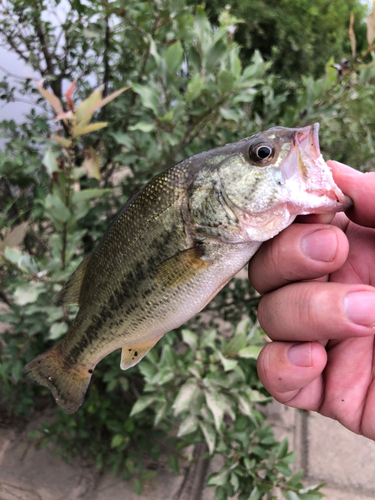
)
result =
(261, 153)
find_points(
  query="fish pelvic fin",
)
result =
(71, 291)
(67, 384)
(181, 267)
(132, 354)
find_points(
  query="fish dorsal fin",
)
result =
(132, 354)
(70, 293)
(181, 267)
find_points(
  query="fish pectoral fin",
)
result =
(182, 266)
(70, 293)
(132, 354)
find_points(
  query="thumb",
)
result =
(291, 372)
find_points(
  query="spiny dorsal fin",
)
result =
(131, 355)
(70, 293)
(181, 267)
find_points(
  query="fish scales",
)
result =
(176, 243)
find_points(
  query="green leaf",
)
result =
(236, 343)
(243, 326)
(208, 338)
(173, 57)
(289, 495)
(229, 114)
(13, 255)
(209, 435)
(316, 495)
(216, 407)
(49, 161)
(34, 435)
(149, 97)
(88, 103)
(235, 62)
(66, 143)
(57, 330)
(123, 139)
(190, 338)
(228, 364)
(59, 211)
(283, 449)
(16, 371)
(89, 111)
(173, 463)
(250, 352)
(283, 469)
(194, 88)
(149, 474)
(164, 376)
(186, 394)
(235, 482)
(26, 294)
(255, 494)
(310, 489)
(137, 486)
(226, 81)
(79, 130)
(219, 479)
(142, 403)
(143, 126)
(117, 440)
(147, 370)
(160, 413)
(89, 194)
(188, 425)
(220, 493)
(202, 26)
(244, 404)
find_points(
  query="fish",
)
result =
(174, 245)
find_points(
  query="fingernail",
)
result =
(300, 354)
(360, 308)
(320, 245)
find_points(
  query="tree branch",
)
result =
(106, 59)
(48, 57)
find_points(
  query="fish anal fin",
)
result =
(181, 267)
(71, 291)
(132, 354)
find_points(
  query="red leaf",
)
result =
(69, 96)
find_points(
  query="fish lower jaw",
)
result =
(319, 203)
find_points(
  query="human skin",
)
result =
(317, 280)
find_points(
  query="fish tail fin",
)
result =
(67, 384)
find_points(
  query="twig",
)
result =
(12, 75)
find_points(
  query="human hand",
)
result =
(318, 307)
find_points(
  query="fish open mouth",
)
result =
(314, 187)
(307, 139)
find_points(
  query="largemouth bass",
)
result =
(175, 244)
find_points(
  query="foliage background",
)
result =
(199, 77)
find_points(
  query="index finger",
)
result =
(300, 252)
(360, 188)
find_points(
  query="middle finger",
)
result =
(318, 311)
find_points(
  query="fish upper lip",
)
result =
(307, 138)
